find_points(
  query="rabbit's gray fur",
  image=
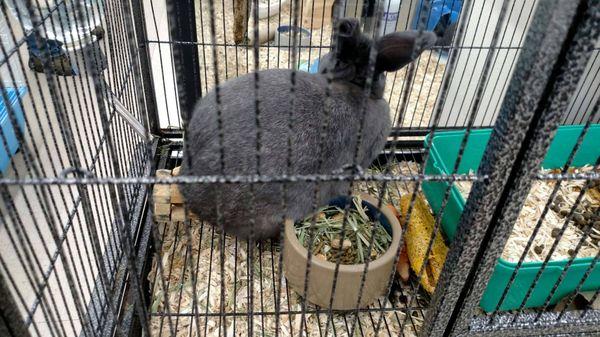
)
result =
(239, 203)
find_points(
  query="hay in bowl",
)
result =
(357, 285)
(327, 241)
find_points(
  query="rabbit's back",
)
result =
(265, 202)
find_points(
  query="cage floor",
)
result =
(240, 295)
(247, 286)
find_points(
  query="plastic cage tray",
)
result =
(444, 151)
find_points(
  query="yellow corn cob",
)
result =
(418, 234)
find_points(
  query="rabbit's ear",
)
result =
(396, 50)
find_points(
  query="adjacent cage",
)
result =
(479, 216)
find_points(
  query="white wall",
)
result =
(481, 22)
(587, 92)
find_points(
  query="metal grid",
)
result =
(63, 247)
(575, 51)
(420, 91)
(102, 246)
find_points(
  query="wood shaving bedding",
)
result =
(205, 258)
(464, 187)
(394, 189)
(531, 212)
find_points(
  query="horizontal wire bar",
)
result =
(237, 179)
(250, 179)
(283, 313)
(177, 42)
(233, 45)
(569, 176)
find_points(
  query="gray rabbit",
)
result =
(311, 108)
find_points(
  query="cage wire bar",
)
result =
(71, 271)
(88, 181)
(214, 45)
(424, 91)
(576, 57)
(567, 32)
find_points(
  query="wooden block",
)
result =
(177, 213)
(163, 173)
(162, 209)
(162, 194)
(160, 225)
(562, 305)
(176, 196)
(162, 212)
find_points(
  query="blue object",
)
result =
(51, 47)
(48, 48)
(372, 211)
(13, 95)
(314, 67)
(438, 9)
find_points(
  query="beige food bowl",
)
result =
(349, 276)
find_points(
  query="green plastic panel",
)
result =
(444, 151)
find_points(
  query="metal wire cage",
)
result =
(96, 240)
